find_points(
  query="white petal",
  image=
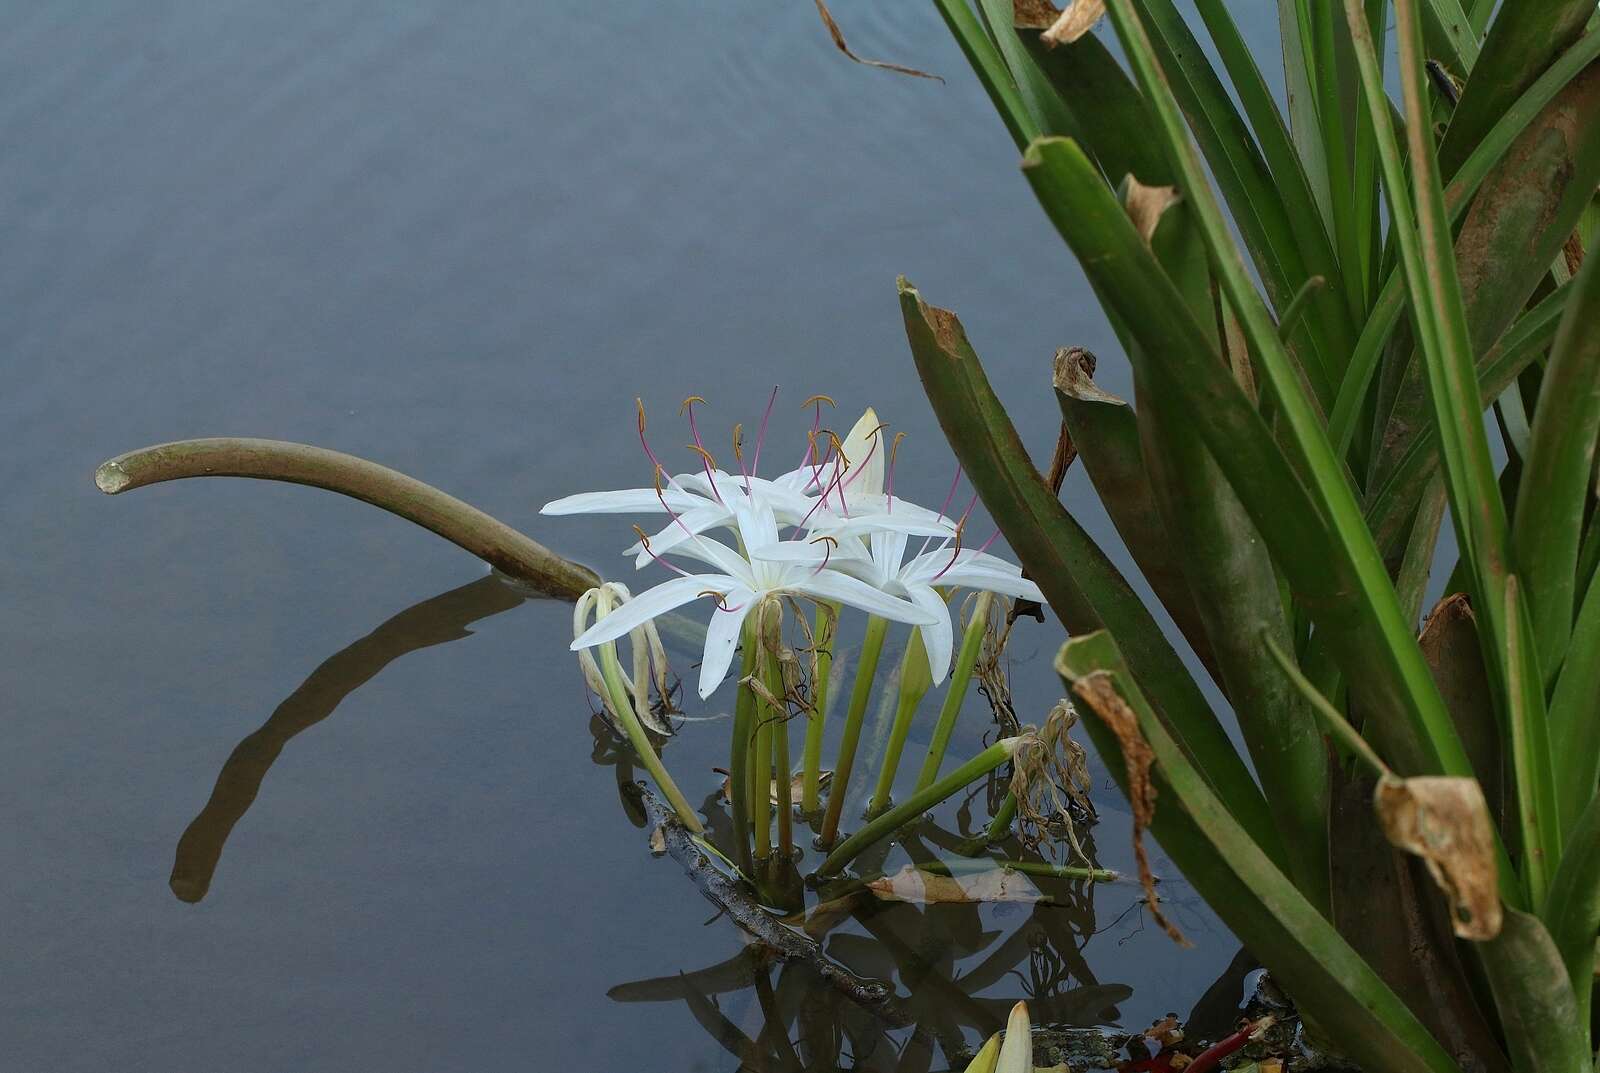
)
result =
(650, 603)
(758, 528)
(722, 639)
(841, 588)
(719, 555)
(696, 521)
(939, 636)
(864, 447)
(622, 501)
(967, 576)
(862, 523)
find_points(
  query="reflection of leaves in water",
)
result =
(435, 621)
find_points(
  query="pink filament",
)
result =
(761, 433)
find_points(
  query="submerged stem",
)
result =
(611, 671)
(860, 694)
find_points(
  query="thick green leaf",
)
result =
(1081, 584)
(1390, 505)
(1522, 42)
(1422, 230)
(1318, 539)
(1112, 117)
(1556, 471)
(1573, 911)
(990, 67)
(1388, 908)
(1574, 730)
(1528, 734)
(1385, 314)
(1276, 240)
(1303, 951)
(1289, 173)
(1538, 1011)
(1106, 434)
(1524, 211)
(1048, 111)
(1234, 584)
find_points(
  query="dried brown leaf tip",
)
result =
(1072, 374)
(1100, 694)
(1077, 19)
(838, 39)
(1145, 204)
(1445, 821)
(1034, 14)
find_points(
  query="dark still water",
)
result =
(457, 239)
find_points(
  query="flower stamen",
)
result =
(738, 453)
(710, 466)
(721, 600)
(827, 552)
(644, 542)
(761, 433)
(888, 480)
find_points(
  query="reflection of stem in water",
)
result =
(435, 621)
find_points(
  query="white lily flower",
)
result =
(738, 585)
(842, 497)
(918, 580)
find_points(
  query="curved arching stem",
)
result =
(464, 525)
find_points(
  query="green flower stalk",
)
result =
(622, 704)
(915, 680)
(822, 637)
(860, 694)
(956, 695)
(920, 802)
(777, 724)
(744, 718)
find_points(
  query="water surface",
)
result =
(458, 240)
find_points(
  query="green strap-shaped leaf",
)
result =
(1385, 314)
(1555, 475)
(1538, 1011)
(990, 68)
(1253, 897)
(1528, 735)
(1049, 112)
(1574, 730)
(1106, 434)
(1081, 584)
(1524, 211)
(1234, 584)
(1112, 117)
(1422, 230)
(1316, 537)
(1390, 506)
(1276, 240)
(1572, 912)
(1522, 42)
